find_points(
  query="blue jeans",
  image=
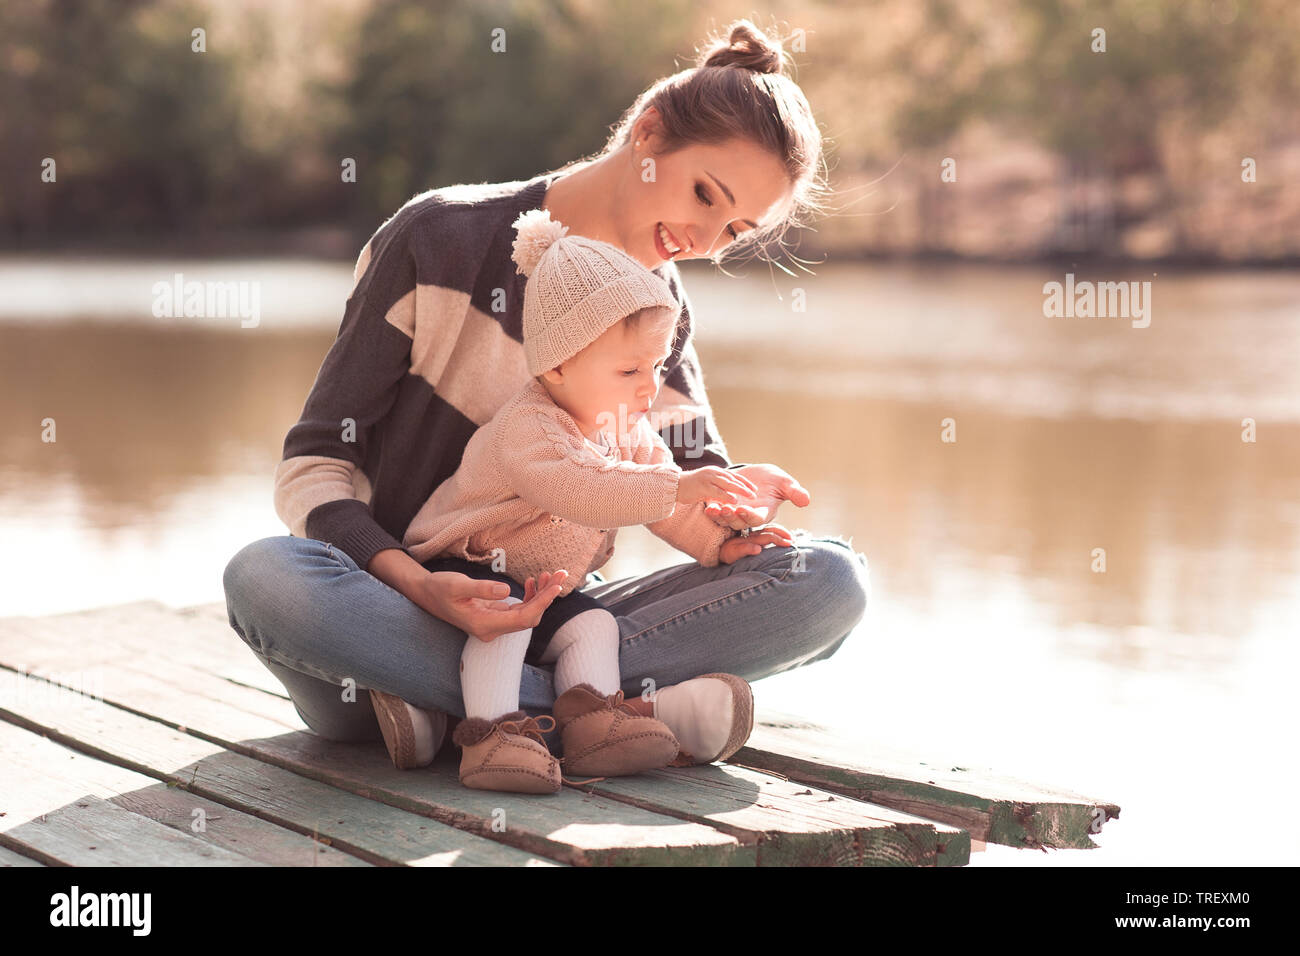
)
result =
(316, 621)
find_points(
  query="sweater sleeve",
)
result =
(688, 528)
(548, 464)
(682, 412)
(321, 490)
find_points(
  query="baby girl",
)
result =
(543, 487)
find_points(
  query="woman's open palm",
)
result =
(471, 604)
(774, 485)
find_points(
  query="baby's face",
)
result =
(613, 381)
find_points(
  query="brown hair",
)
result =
(654, 315)
(738, 89)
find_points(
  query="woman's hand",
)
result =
(774, 486)
(478, 607)
(735, 548)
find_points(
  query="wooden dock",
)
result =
(142, 735)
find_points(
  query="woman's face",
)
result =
(694, 202)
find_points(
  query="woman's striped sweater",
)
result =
(430, 347)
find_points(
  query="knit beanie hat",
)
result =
(577, 288)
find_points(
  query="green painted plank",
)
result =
(792, 824)
(66, 774)
(233, 829)
(8, 858)
(994, 808)
(95, 832)
(53, 812)
(579, 828)
(190, 637)
(598, 831)
(237, 784)
(88, 662)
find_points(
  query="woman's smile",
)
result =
(666, 243)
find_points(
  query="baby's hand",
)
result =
(713, 483)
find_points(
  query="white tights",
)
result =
(584, 650)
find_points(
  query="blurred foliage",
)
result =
(140, 127)
(429, 102)
(152, 139)
(1031, 64)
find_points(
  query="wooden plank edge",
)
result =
(186, 782)
(930, 846)
(462, 821)
(1024, 825)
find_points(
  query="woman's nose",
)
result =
(718, 232)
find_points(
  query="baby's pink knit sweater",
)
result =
(532, 484)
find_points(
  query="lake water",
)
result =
(1163, 683)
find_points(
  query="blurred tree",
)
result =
(1031, 68)
(143, 130)
(152, 139)
(430, 102)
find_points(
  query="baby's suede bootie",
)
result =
(605, 737)
(507, 754)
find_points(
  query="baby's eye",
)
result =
(630, 372)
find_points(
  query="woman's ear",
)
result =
(647, 128)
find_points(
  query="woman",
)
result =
(706, 161)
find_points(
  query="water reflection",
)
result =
(991, 635)
(1199, 528)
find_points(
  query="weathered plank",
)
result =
(95, 832)
(995, 808)
(598, 832)
(251, 795)
(151, 628)
(235, 830)
(792, 824)
(89, 664)
(578, 828)
(55, 816)
(70, 773)
(182, 645)
(992, 807)
(8, 858)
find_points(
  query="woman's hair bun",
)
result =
(747, 47)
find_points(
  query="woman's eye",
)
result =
(704, 198)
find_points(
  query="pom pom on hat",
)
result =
(576, 289)
(537, 231)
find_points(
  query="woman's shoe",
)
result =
(712, 716)
(412, 734)
(507, 754)
(605, 737)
